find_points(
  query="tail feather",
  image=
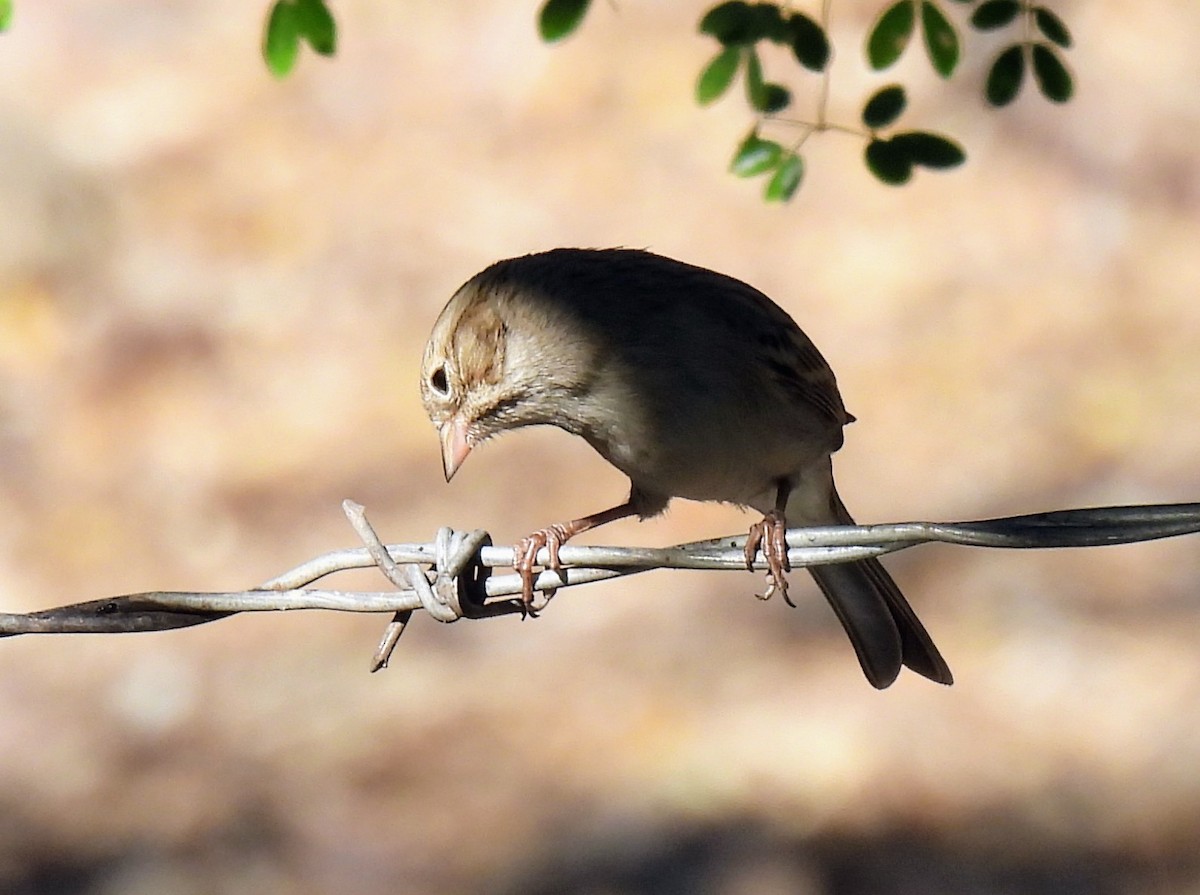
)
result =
(865, 615)
(882, 627)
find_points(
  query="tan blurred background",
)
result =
(214, 290)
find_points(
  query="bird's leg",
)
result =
(552, 538)
(771, 535)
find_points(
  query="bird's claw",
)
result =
(525, 561)
(771, 536)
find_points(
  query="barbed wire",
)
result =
(451, 578)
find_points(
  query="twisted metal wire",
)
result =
(450, 578)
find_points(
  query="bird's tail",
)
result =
(882, 627)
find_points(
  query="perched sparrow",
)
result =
(690, 382)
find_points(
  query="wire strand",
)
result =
(459, 564)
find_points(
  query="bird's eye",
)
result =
(438, 381)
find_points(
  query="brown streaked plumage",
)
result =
(692, 383)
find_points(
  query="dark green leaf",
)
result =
(717, 75)
(890, 34)
(809, 42)
(888, 162)
(6, 14)
(774, 98)
(1051, 75)
(281, 40)
(786, 179)
(884, 107)
(558, 18)
(766, 21)
(1052, 26)
(929, 150)
(316, 24)
(730, 22)
(755, 155)
(941, 40)
(995, 14)
(1004, 79)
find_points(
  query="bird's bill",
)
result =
(455, 446)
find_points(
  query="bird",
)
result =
(693, 384)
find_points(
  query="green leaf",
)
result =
(889, 163)
(941, 40)
(786, 179)
(809, 42)
(890, 34)
(884, 107)
(6, 14)
(717, 75)
(929, 150)
(558, 18)
(995, 14)
(1052, 26)
(1004, 79)
(755, 86)
(730, 22)
(1051, 75)
(766, 20)
(755, 155)
(762, 95)
(281, 40)
(316, 24)
(774, 98)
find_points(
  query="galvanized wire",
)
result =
(456, 568)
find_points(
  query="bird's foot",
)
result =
(525, 562)
(771, 536)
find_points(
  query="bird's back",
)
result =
(726, 385)
(664, 312)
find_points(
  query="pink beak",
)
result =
(455, 446)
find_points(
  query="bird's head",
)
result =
(490, 367)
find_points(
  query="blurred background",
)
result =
(214, 292)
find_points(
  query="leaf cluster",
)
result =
(741, 28)
(1007, 72)
(891, 158)
(892, 32)
(756, 156)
